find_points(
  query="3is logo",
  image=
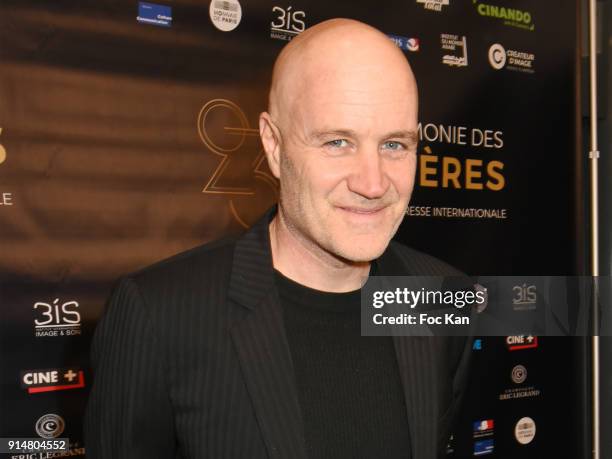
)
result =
(242, 174)
(57, 319)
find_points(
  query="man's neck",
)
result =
(310, 265)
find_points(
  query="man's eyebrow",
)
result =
(323, 133)
(410, 136)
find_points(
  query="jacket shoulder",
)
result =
(207, 262)
(422, 264)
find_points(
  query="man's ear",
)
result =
(270, 139)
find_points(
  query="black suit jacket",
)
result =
(191, 360)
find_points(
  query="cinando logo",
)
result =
(497, 56)
(509, 16)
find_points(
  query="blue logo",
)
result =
(151, 13)
(477, 346)
(483, 447)
(405, 43)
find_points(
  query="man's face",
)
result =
(348, 160)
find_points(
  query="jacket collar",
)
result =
(252, 274)
(265, 358)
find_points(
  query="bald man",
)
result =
(251, 348)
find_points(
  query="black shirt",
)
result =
(349, 386)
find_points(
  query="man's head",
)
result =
(340, 135)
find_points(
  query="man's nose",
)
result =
(368, 177)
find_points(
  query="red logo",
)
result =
(518, 342)
(51, 380)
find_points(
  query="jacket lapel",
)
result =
(265, 358)
(414, 358)
(262, 347)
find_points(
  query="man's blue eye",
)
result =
(393, 145)
(338, 143)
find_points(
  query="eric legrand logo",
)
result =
(54, 379)
(242, 174)
(519, 374)
(49, 426)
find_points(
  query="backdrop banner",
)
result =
(128, 133)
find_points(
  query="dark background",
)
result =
(117, 155)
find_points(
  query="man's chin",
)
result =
(361, 250)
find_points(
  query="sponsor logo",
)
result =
(519, 374)
(518, 342)
(482, 447)
(483, 428)
(455, 47)
(477, 346)
(497, 56)
(525, 297)
(433, 5)
(225, 14)
(49, 426)
(511, 59)
(509, 16)
(405, 43)
(36, 381)
(287, 23)
(151, 13)
(525, 430)
(57, 319)
(242, 174)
